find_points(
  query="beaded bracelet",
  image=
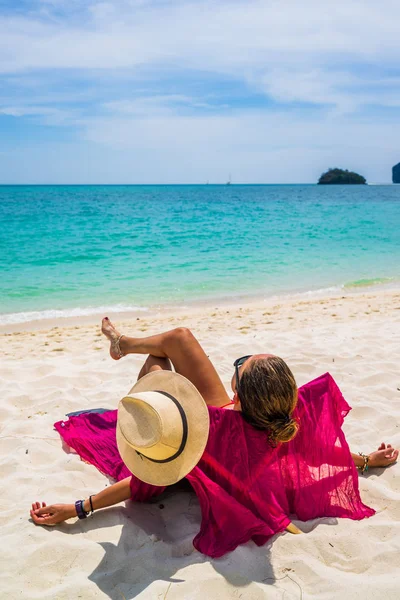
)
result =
(364, 467)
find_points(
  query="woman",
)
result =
(264, 389)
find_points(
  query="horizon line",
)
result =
(185, 184)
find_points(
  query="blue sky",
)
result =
(140, 91)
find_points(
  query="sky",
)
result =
(175, 91)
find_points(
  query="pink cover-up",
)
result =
(247, 489)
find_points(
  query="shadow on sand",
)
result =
(156, 545)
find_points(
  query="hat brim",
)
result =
(198, 421)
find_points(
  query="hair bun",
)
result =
(283, 429)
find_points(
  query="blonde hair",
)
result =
(268, 396)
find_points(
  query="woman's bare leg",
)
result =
(185, 353)
(154, 363)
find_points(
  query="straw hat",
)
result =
(162, 428)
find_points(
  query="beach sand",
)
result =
(145, 550)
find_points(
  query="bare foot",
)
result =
(114, 336)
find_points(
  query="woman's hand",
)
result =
(57, 513)
(53, 514)
(383, 457)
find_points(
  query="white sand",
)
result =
(146, 552)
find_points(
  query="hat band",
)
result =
(184, 433)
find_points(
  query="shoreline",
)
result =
(267, 324)
(193, 306)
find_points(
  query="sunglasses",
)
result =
(238, 363)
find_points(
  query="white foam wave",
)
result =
(38, 315)
(320, 291)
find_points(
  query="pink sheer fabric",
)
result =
(247, 489)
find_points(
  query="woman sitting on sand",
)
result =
(265, 392)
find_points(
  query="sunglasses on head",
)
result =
(238, 363)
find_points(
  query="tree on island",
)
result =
(340, 176)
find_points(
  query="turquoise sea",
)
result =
(69, 250)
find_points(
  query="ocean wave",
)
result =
(38, 315)
(361, 285)
(374, 281)
(317, 292)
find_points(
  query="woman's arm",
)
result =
(358, 460)
(383, 457)
(57, 513)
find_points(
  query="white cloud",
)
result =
(310, 51)
(340, 89)
(229, 36)
(246, 129)
(43, 114)
(150, 105)
(129, 59)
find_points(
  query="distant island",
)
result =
(396, 173)
(340, 176)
